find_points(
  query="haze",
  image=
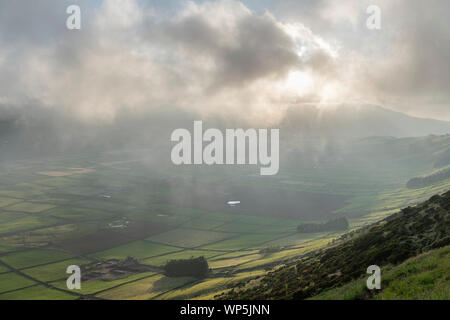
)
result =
(250, 60)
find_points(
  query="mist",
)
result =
(136, 72)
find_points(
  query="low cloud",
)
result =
(222, 58)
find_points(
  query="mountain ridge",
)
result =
(359, 121)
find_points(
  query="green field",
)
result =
(182, 254)
(190, 238)
(53, 271)
(139, 249)
(145, 289)
(37, 293)
(12, 281)
(29, 258)
(98, 286)
(124, 208)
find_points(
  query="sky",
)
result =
(250, 59)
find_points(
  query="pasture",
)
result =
(87, 208)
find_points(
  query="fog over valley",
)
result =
(224, 149)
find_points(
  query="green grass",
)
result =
(282, 255)
(203, 223)
(138, 249)
(37, 293)
(12, 281)
(57, 182)
(208, 286)
(238, 227)
(186, 254)
(425, 277)
(242, 242)
(19, 194)
(189, 238)
(7, 201)
(234, 254)
(29, 207)
(145, 289)
(6, 246)
(224, 263)
(75, 214)
(103, 204)
(165, 214)
(29, 258)
(46, 236)
(3, 269)
(92, 287)
(12, 222)
(54, 271)
(295, 239)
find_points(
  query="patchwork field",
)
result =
(39, 292)
(140, 249)
(190, 238)
(81, 210)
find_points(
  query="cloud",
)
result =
(403, 66)
(416, 73)
(258, 47)
(222, 58)
(216, 58)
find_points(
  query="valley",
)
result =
(84, 208)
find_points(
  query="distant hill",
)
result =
(42, 128)
(412, 231)
(430, 179)
(358, 121)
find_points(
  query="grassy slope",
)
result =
(425, 276)
(388, 242)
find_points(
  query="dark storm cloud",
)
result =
(259, 48)
(211, 58)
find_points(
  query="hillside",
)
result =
(355, 120)
(430, 179)
(412, 231)
(423, 277)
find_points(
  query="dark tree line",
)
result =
(194, 267)
(338, 224)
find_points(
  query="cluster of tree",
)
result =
(437, 176)
(193, 267)
(338, 224)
